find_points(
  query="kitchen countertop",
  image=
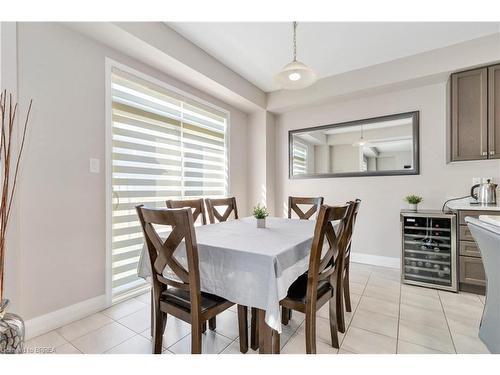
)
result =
(465, 204)
(491, 219)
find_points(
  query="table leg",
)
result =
(254, 329)
(269, 340)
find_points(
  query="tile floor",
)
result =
(387, 317)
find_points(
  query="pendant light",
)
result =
(361, 141)
(295, 75)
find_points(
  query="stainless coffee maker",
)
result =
(484, 193)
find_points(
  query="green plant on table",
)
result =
(260, 212)
(413, 199)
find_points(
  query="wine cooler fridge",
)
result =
(429, 255)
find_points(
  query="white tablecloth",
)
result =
(247, 265)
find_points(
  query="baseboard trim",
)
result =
(56, 319)
(376, 260)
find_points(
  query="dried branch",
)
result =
(8, 117)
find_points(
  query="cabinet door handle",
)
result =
(484, 153)
(492, 152)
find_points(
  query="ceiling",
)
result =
(258, 50)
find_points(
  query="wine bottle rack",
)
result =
(429, 252)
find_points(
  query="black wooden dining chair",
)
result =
(179, 294)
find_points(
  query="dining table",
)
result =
(249, 266)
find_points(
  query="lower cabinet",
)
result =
(472, 271)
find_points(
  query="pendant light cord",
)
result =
(294, 41)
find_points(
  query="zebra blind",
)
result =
(299, 158)
(165, 146)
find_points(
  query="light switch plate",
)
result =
(94, 165)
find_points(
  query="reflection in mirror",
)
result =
(382, 146)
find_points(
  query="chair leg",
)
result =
(204, 327)
(243, 327)
(254, 330)
(347, 291)
(152, 314)
(285, 315)
(333, 324)
(212, 324)
(339, 301)
(196, 338)
(310, 332)
(160, 320)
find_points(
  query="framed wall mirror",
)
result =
(381, 146)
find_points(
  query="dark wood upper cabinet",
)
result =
(494, 112)
(469, 115)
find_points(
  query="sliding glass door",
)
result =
(164, 146)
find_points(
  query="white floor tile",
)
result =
(46, 343)
(356, 288)
(424, 302)
(144, 298)
(384, 283)
(391, 295)
(83, 326)
(376, 322)
(123, 309)
(469, 345)
(324, 312)
(297, 345)
(322, 331)
(138, 321)
(175, 330)
(430, 337)
(409, 348)
(428, 292)
(234, 348)
(378, 306)
(103, 339)
(463, 324)
(422, 317)
(227, 324)
(67, 349)
(361, 341)
(135, 345)
(211, 343)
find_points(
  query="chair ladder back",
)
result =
(161, 253)
(325, 265)
(293, 203)
(214, 215)
(350, 227)
(197, 206)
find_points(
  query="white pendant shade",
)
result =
(295, 75)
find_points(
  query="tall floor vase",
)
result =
(11, 331)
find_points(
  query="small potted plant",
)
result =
(413, 201)
(260, 213)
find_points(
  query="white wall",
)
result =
(62, 205)
(8, 82)
(377, 231)
(261, 159)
